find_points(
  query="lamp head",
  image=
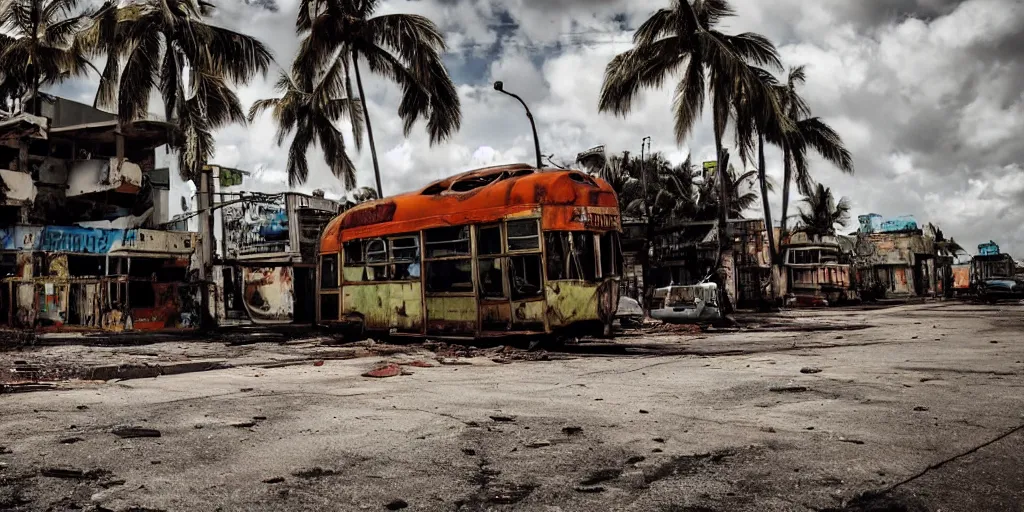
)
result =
(498, 86)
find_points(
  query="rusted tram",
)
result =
(509, 250)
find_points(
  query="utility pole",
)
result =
(649, 212)
(205, 199)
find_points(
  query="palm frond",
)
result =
(641, 67)
(662, 23)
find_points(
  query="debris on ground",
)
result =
(318, 363)
(810, 369)
(244, 424)
(540, 443)
(787, 389)
(920, 408)
(503, 419)
(70, 440)
(128, 432)
(851, 441)
(571, 431)
(274, 480)
(387, 370)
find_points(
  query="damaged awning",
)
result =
(143, 134)
(24, 126)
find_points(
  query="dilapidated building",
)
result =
(818, 270)
(264, 266)
(79, 226)
(896, 258)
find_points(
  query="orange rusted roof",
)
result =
(477, 196)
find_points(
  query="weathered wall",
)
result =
(90, 176)
(74, 239)
(255, 228)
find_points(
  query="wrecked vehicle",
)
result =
(503, 251)
(686, 304)
(995, 288)
(629, 313)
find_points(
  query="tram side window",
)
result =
(523, 235)
(329, 272)
(454, 273)
(489, 276)
(525, 276)
(377, 268)
(571, 255)
(611, 255)
(405, 253)
(353, 253)
(447, 242)
(449, 275)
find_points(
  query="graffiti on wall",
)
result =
(256, 227)
(75, 239)
(268, 294)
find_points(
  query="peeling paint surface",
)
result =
(267, 294)
(571, 301)
(451, 315)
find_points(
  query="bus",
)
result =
(501, 251)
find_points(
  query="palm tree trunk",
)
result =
(369, 128)
(724, 242)
(766, 205)
(773, 256)
(786, 178)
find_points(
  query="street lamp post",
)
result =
(498, 86)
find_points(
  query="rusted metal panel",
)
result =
(496, 316)
(368, 301)
(406, 306)
(268, 294)
(528, 315)
(451, 315)
(571, 301)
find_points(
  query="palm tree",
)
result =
(823, 213)
(38, 47)
(404, 48)
(310, 110)
(684, 36)
(167, 45)
(804, 132)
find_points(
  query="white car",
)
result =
(686, 304)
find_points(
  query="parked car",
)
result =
(995, 288)
(686, 304)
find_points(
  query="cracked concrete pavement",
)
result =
(915, 407)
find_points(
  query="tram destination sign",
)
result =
(596, 219)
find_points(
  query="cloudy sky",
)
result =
(927, 95)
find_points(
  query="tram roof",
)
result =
(472, 197)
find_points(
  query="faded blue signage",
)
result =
(874, 223)
(73, 239)
(988, 249)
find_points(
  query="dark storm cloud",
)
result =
(871, 13)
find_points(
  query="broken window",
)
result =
(377, 268)
(488, 240)
(491, 278)
(376, 251)
(525, 276)
(405, 253)
(571, 255)
(611, 255)
(353, 253)
(449, 276)
(329, 272)
(86, 266)
(447, 242)
(523, 235)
